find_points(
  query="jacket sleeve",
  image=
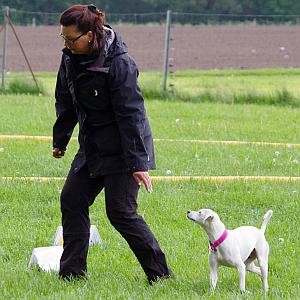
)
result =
(129, 110)
(65, 112)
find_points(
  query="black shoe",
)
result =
(161, 278)
(73, 277)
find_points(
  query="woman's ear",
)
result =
(90, 35)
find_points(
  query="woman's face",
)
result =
(76, 41)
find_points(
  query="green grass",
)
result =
(16, 84)
(33, 158)
(262, 86)
(224, 122)
(26, 114)
(276, 86)
(30, 216)
(30, 211)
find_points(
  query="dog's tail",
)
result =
(266, 220)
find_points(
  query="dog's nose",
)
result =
(188, 211)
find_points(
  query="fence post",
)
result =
(6, 14)
(166, 51)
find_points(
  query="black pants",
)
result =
(79, 192)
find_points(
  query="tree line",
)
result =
(243, 7)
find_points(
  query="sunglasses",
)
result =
(72, 41)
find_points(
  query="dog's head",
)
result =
(204, 216)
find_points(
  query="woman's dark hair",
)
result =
(85, 18)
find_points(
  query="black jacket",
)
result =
(103, 96)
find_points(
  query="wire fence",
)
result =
(29, 18)
(194, 41)
(223, 19)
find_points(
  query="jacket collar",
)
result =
(112, 46)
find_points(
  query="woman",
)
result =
(97, 88)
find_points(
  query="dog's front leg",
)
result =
(242, 274)
(213, 272)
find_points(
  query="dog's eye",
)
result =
(199, 212)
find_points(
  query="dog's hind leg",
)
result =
(250, 266)
(262, 257)
(264, 273)
(253, 268)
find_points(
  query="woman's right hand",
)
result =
(57, 153)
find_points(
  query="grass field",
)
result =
(30, 209)
(275, 86)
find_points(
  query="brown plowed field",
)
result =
(192, 47)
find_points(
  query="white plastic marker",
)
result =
(94, 236)
(48, 258)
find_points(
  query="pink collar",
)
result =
(219, 241)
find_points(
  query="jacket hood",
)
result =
(112, 46)
(114, 43)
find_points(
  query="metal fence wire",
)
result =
(193, 41)
(29, 18)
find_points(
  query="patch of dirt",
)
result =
(192, 47)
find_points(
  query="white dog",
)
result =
(234, 248)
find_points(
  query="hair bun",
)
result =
(92, 8)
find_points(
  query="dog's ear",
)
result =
(209, 217)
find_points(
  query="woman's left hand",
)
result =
(143, 177)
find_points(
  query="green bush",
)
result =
(281, 97)
(23, 86)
